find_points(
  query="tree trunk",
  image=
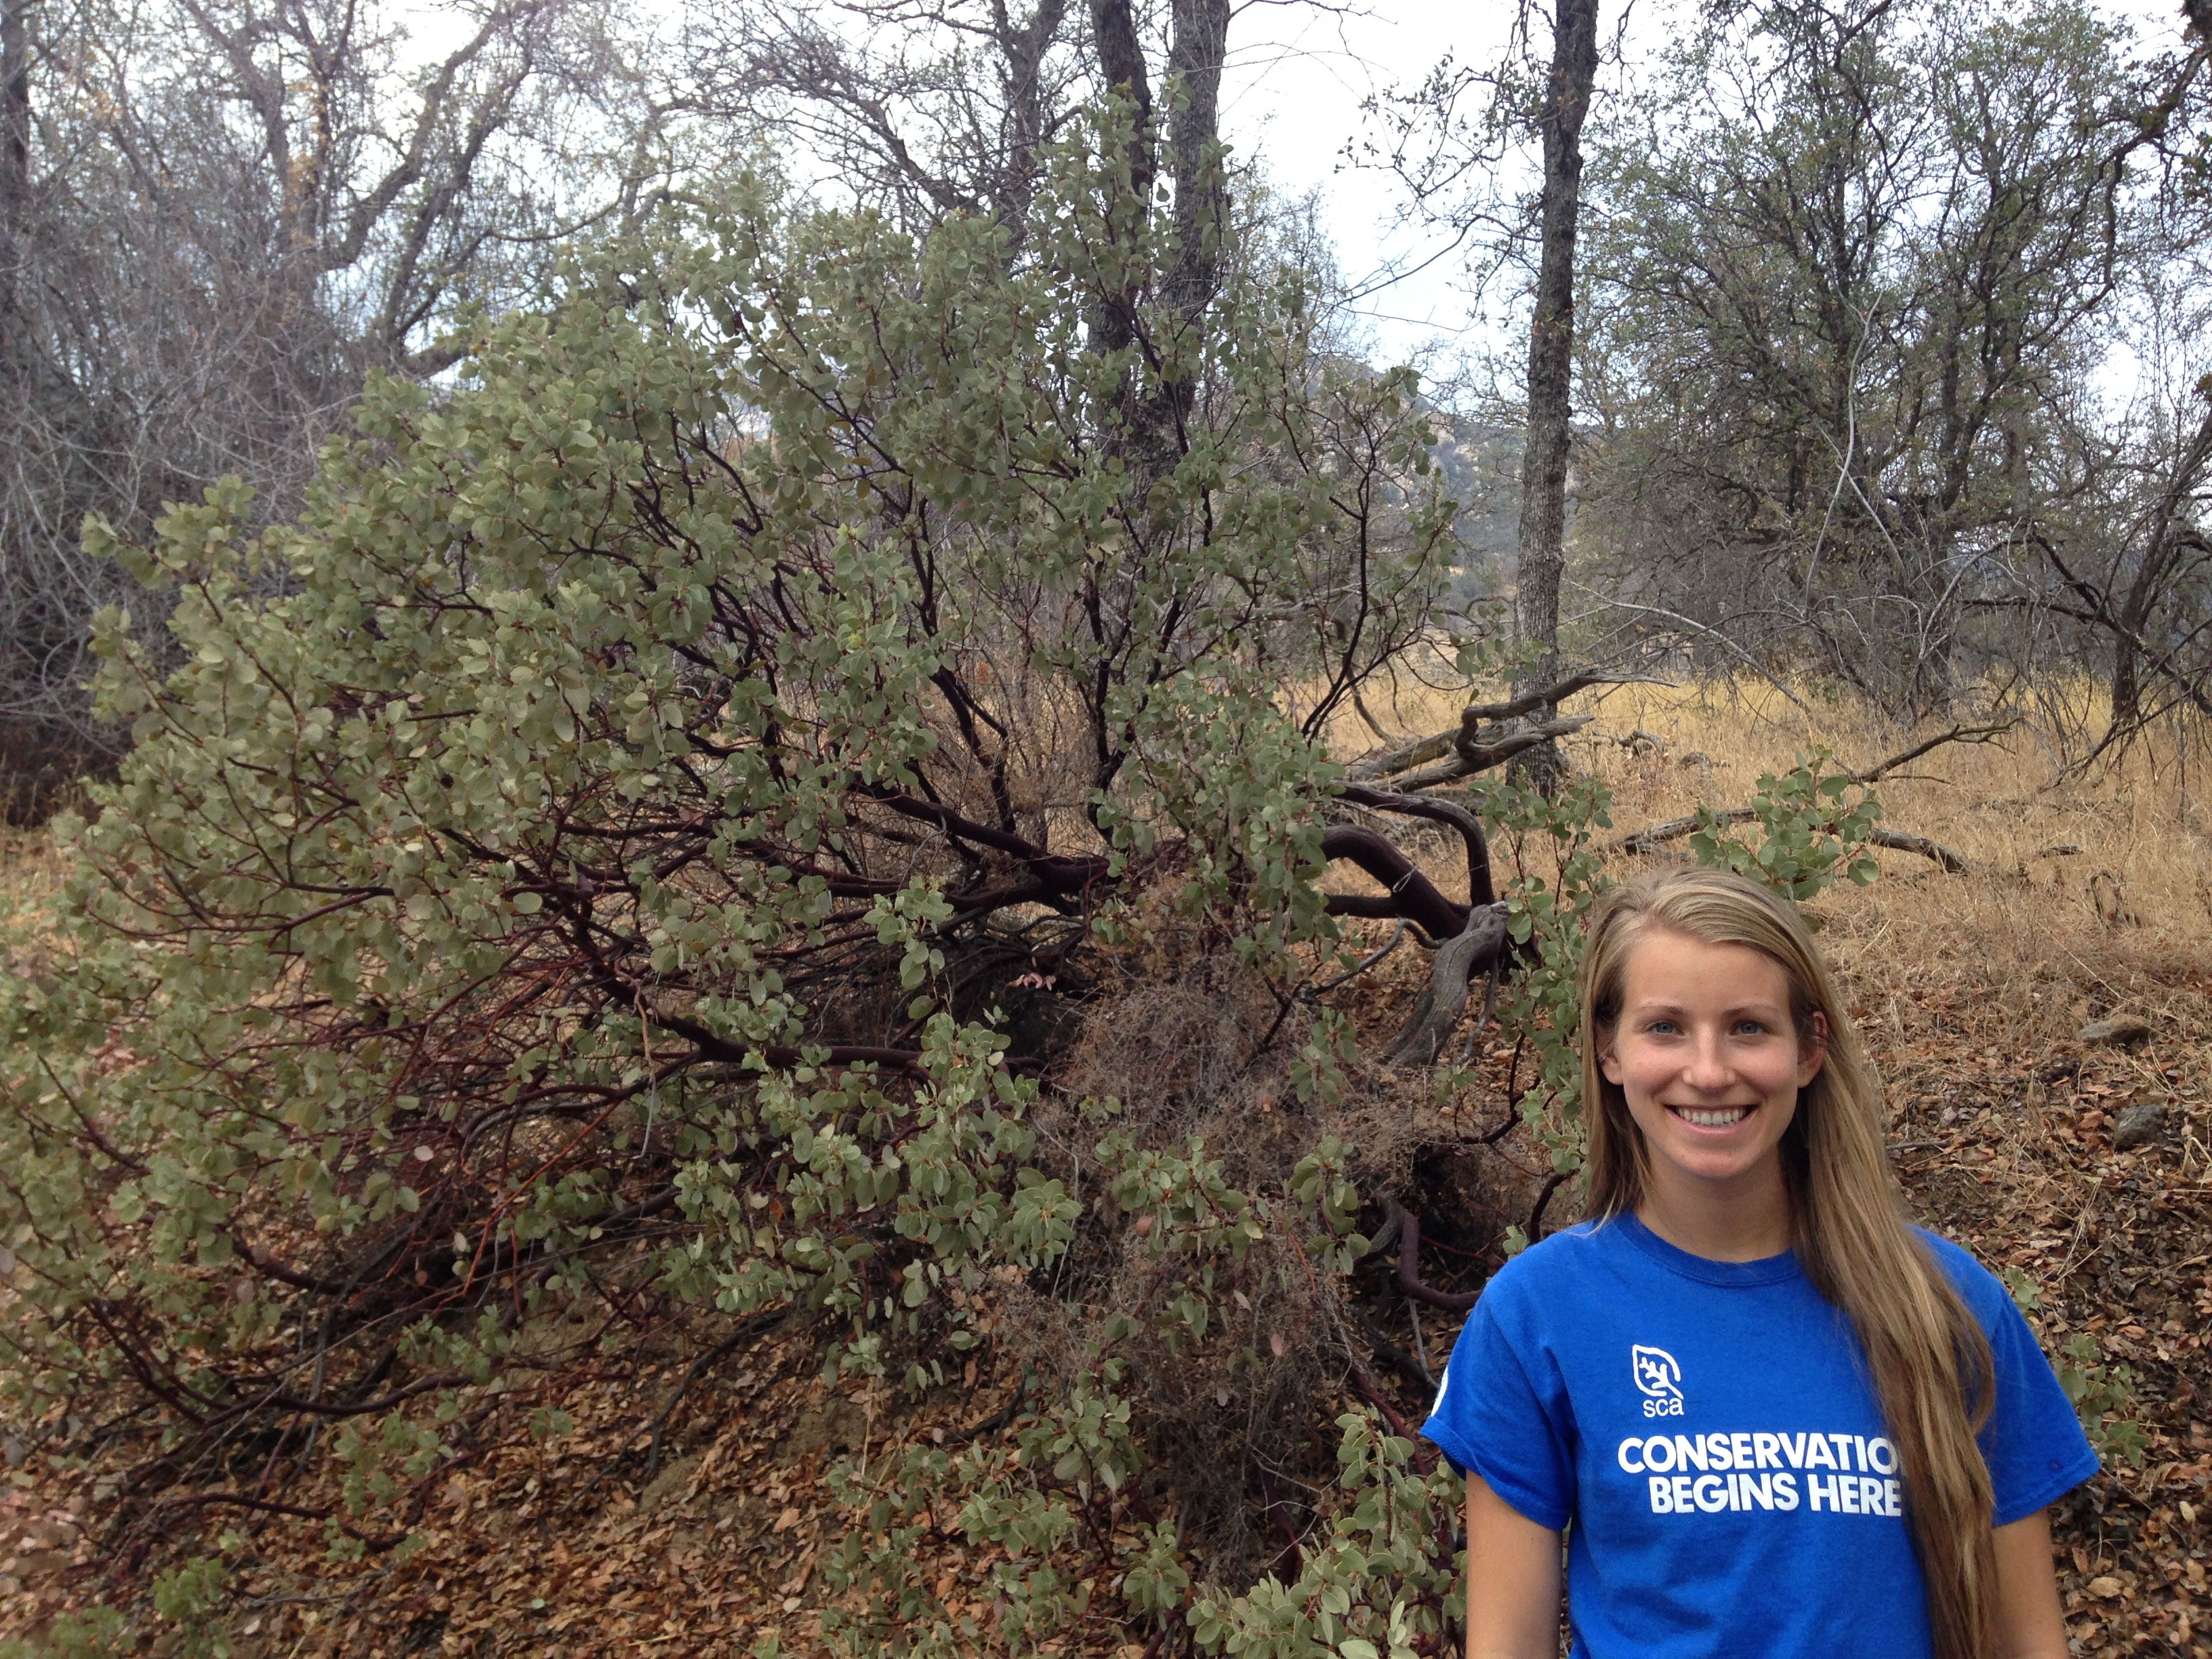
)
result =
(1113, 320)
(1147, 421)
(1542, 551)
(14, 164)
(1122, 66)
(1153, 422)
(1025, 49)
(1201, 41)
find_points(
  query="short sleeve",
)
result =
(1502, 1413)
(2032, 1441)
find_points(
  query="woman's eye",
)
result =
(1750, 1027)
(1660, 1028)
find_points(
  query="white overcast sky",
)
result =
(1298, 76)
(1293, 96)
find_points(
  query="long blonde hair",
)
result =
(1929, 1360)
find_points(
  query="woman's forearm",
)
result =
(2030, 1624)
(1512, 1580)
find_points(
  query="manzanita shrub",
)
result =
(631, 845)
(611, 852)
(1815, 824)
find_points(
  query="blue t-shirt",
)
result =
(1712, 1431)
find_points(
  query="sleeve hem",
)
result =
(2042, 1496)
(1448, 1443)
(1523, 1501)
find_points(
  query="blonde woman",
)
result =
(1770, 1416)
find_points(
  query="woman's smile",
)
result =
(1716, 1118)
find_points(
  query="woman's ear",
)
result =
(1815, 1055)
(1608, 1058)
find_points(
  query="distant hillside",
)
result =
(1481, 465)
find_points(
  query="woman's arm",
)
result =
(2029, 1623)
(1513, 1581)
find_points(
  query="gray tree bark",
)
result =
(1542, 552)
(1201, 41)
(15, 160)
(1153, 435)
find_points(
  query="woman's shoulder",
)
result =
(1551, 1264)
(1984, 1292)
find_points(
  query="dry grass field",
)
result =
(2080, 894)
(2080, 899)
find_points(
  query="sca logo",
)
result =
(1658, 1378)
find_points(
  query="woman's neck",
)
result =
(1738, 1222)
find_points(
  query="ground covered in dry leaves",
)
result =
(709, 1537)
(542, 1550)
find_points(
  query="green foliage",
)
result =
(1060, 1487)
(1388, 1575)
(188, 1596)
(99, 1632)
(1549, 907)
(2104, 1396)
(1814, 825)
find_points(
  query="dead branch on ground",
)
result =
(1473, 749)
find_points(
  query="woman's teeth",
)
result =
(1719, 1119)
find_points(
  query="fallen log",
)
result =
(1481, 942)
(1901, 841)
(1472, 754)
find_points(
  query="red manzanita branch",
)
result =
(1409, 1268)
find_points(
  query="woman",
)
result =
(1773, 1417)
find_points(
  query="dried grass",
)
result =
(2083, 893)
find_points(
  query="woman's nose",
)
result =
(1708, 1067)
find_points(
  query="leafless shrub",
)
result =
(1239, 1430)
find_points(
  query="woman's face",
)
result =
(1710, 1063)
